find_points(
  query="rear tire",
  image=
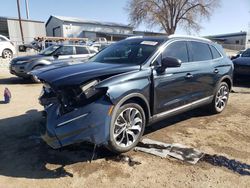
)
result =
(7, 54)
(220, 99)
(127, 128)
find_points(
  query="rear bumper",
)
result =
(89, 123)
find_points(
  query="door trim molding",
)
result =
(184, 107)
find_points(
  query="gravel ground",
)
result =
(26, 161)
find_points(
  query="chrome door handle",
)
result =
(216, 71)
(189, 75)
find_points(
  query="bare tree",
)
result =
(168, 14)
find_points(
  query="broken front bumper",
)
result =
(89, 123)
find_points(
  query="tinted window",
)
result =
(65, 50)
(215, 52)
(177, 50)
(246, 53)
(49, 50)
(130, 51)
(200, 51)
(81, 50)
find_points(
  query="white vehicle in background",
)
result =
(7, 48)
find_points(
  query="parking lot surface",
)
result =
(26, 161)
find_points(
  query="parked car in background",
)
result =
(237, 55)
(112, 97)
(242, 64)
(7, 48)
(20, 66)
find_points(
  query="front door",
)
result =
(173, 88)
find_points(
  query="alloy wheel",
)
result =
(221, 98)
(128, 126)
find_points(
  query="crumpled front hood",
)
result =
(58, 76)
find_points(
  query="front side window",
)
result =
(200, 51)
(50, 50)
(65, 50)
(131, 51)
(177, 50)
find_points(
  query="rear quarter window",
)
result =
(215, 52)
(200, 51)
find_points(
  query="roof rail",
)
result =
(188, 36)
(135, 37)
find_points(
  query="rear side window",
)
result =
(177, 50)
(200, 51)
(215, 52)
(81, 50)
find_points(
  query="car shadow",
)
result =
(199, 112)
(15, 81)
(25, 155)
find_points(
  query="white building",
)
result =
(233, 41)
(60, 26)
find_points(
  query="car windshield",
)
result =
(49, 50)
(130, 51)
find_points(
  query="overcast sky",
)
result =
(232, 16)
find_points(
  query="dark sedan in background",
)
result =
(21, 66)
(242, 65)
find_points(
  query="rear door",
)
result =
(173, 88)
(204, 73)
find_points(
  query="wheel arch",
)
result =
(228, 80)
(138, 99)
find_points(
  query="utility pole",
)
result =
(20, 21)
(27, 9)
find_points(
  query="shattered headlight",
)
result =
(47, 96)
(89, 88)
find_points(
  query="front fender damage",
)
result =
(89, 123)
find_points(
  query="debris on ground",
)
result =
(125, 159)
(154, 147)
(163, 150)
(190, 155)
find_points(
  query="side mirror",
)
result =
(170, 62)
(57, 54)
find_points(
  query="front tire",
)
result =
(127, 128)
(220, 100)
